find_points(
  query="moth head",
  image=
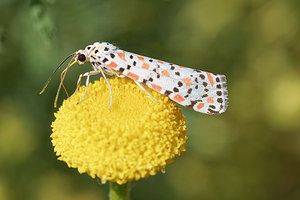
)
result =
(81, 56)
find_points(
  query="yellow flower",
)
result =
(137, 138)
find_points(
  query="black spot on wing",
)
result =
(167, 93)
(121, 69)
(104, 60)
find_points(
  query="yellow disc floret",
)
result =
(135, 139)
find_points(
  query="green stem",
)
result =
(119, 192)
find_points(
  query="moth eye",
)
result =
(81, 57)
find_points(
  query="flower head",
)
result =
(137, 138)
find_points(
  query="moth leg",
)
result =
(111, 97)
(108, 73)
(88, 74)
(145, 90)
(78, 84)
(120, 75)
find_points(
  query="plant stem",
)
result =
(119, 192)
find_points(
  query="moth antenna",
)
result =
(49, 79)
(62, 80)
(63, 83)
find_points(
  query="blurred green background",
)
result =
(250, 152)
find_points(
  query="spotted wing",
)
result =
(198, 90)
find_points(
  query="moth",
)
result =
(195, 89)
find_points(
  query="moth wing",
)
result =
(198, 90)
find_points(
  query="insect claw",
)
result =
(79, 101)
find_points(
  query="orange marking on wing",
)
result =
(178, 98)
(200, 105)
(161, 62)
(145, 66)
(210, 78)
(181, 67)
(122, 56)
(210, 100)
(141, 58)
(113, 65)
(165, 72)
(156, 87)
(187, 81)
(132, 76)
